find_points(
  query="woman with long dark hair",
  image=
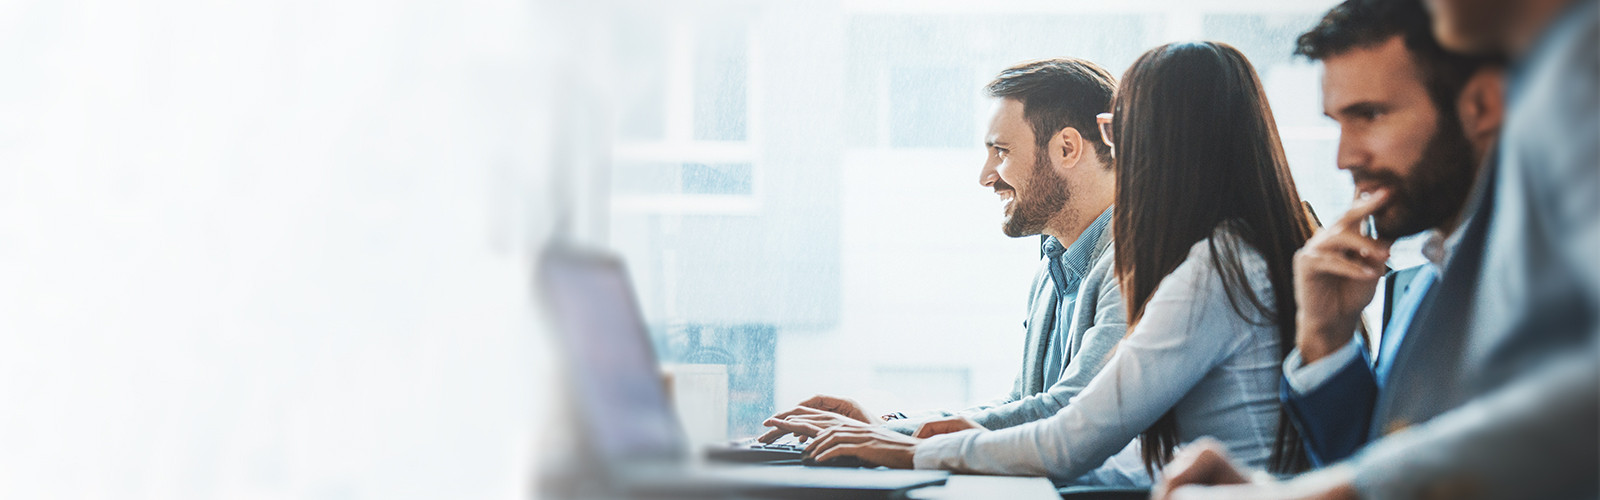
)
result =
(1206, 226)
(1205, 166)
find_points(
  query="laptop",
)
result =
(629, 437)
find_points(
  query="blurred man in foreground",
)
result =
(1520, 292)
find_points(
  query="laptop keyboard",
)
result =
(797, 448)
(752, 451)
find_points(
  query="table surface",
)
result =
(956, 487)
(975, 487)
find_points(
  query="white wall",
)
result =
(266, 250)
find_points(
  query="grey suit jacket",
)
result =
(1496, 391)
(1099, 321)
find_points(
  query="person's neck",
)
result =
(1480, 159)
(1074, 221)
(1537, 18)
(1451, 225)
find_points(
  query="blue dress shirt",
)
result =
(1067, 266)
(1404, 312)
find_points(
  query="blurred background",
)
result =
(283, 250)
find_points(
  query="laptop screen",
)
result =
(613, 368)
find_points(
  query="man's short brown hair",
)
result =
(1059, 93)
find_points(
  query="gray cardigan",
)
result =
(1098, 323)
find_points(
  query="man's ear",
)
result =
(1482, 107)
(1068, 149)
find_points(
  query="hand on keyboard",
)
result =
(874, 444)
(805, 423)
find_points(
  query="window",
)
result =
(692, 178)
(683, 117)
(720, 75)
(930, 107)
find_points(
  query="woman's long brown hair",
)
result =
(1196, 147)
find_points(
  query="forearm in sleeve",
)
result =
(909, 425)
(1331, 402)
(1098, 342)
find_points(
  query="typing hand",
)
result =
(1203, 471)
(872, 444)
(843, 406)
(803, 422)
(945, 425)
(819, 412)
(1335, 277)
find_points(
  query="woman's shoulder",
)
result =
(1228, 237)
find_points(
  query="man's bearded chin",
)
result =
(1440, 182)
(1398, 218)
(1436, 190)
(1021, 221)
(1031, 216)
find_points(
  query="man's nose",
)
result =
(988, 176)
(1352, 153)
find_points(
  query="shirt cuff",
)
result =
(941, 451)
(1304, 378)
(907, 426)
